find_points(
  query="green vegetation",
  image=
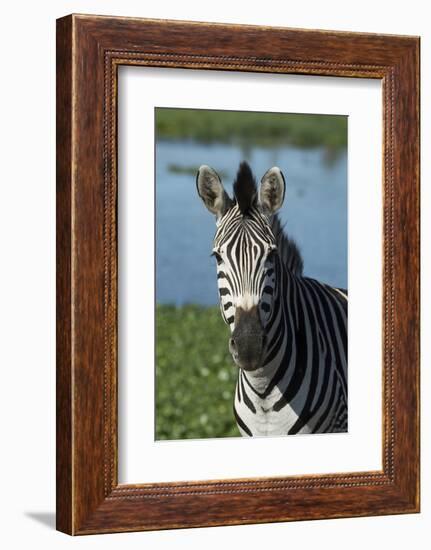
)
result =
(195, 375)
(190, 170)
(252, 128)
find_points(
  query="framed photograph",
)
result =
(237, 274)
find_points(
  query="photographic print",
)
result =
(202, 274)
(251, 274)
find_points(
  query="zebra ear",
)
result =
(272, 189)
(211, 191)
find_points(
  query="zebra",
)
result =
(288, 332)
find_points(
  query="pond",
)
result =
(314, 213)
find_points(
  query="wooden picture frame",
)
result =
(89, 51)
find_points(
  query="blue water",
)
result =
(314, 210)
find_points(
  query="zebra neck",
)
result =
(302, 386)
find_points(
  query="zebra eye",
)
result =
(271, 254)
(217, 257)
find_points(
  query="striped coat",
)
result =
(288, 332)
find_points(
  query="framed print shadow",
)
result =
(237, 274)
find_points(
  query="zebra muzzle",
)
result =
(247, 341)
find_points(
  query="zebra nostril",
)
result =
(232, 345)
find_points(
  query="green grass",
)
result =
(190, 170)
(248, 129)
(195, 374)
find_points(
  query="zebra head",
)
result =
(244, 247)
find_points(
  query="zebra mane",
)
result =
(244, 188)
(287, 248)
